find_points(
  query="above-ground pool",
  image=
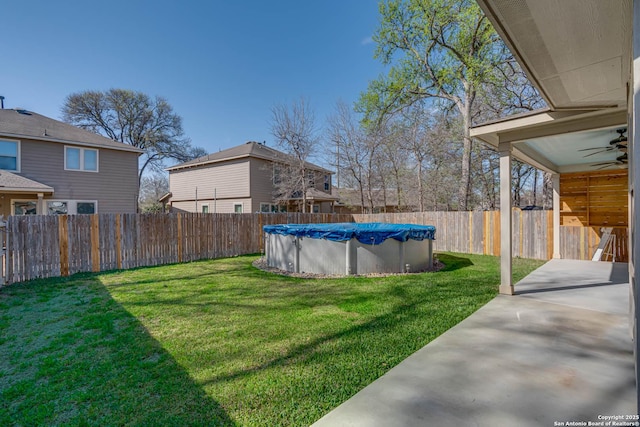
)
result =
(349, 248)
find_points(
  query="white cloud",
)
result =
(367, 40)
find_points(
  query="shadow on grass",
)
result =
(409, 313)
(287, 350)
(71, 355)
(453, 262)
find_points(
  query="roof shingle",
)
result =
(22, 123)
(249, 149)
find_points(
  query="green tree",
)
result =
(136, 119)
(442, 50)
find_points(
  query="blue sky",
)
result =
(222, 65)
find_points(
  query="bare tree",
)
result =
(356, 150)
(152, 188)
(136, 119)
(521, 174)
(295, 132)
(393, 160)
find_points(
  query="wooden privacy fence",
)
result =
(50, 245)
(479, 233)
(59, 245)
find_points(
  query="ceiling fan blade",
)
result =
(602, 167)
(598, 152)
(595, 148)
(604, 163)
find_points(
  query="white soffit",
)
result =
(575, 51)
(552, 141)
(564, 151)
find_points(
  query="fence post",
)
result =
(63, 229)
(95, 243)
(179, 220)
(118, 242)
(470, 232)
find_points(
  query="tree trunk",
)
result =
(304, 190)
(420, 186)
(465, 179)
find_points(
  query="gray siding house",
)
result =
(241, 180)
(51, 167)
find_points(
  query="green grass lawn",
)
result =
(218, 342)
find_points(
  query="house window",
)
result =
(276, 175)
(311, 177)
(316, 208)
(71, 207)
(237, 207)
(10, 155)
(86, 207)
(278, 208)
(57, 208)
(327, 183)
(80, 159)
(25, 207)
(205, 208)
(265, 207)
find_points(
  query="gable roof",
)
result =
(27, 124)
(249, 149)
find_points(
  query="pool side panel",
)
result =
(281, 252)
(320, 256)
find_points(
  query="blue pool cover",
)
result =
(370, 233)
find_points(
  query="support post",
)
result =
(296, 243)
(506, 281)
(555, 181)
(40, 207)
(348, 258)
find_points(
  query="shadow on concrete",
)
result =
(562, 288)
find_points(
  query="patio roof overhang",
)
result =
(578, 55)
(581, 55)
(13, 183)
(552, 140)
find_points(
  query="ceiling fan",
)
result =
(620, 143)
(620, 161)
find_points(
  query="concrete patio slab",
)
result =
(599, 286)
(548, 356)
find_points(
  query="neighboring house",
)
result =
(242, 179)
(350, 202)
(51, 167)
